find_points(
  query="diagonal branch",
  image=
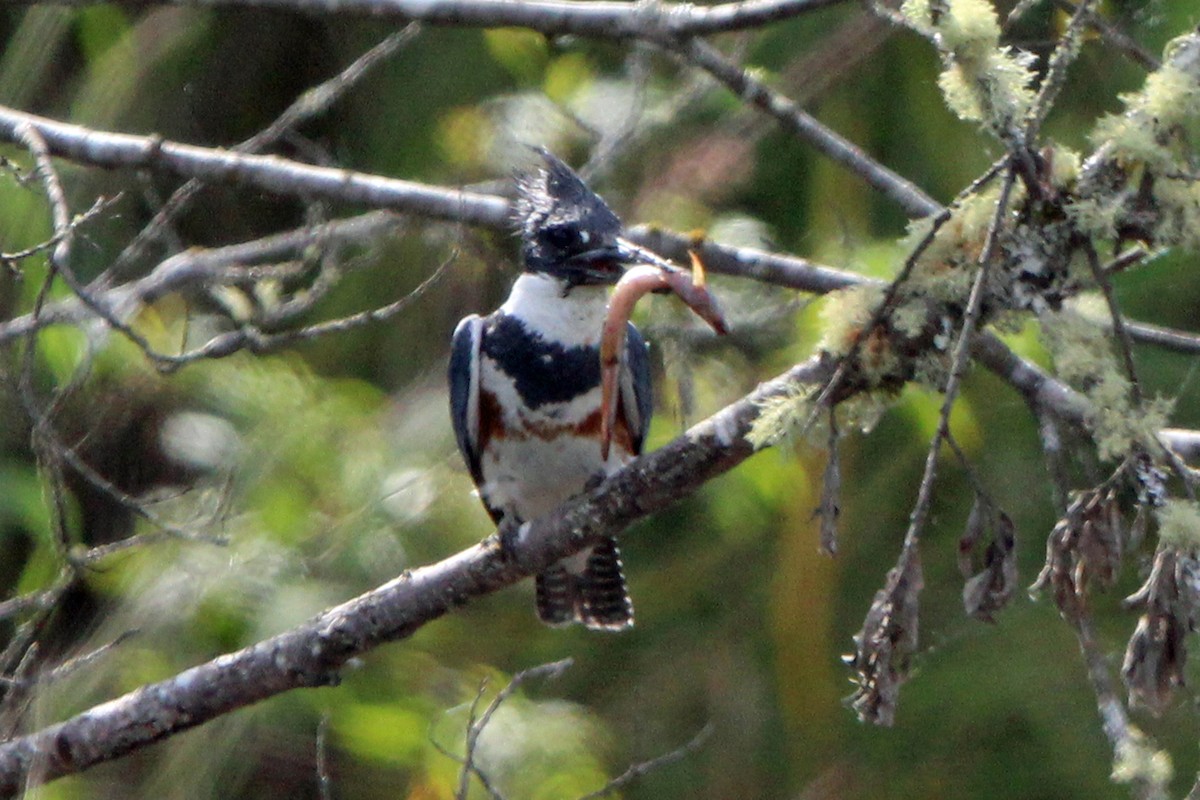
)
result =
(910, 197)
(312, 654)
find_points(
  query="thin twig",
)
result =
(469, 765)
(1115, 37)
(251, 337)
(70, 665)
(324, 781)
(1065, 52)
(959, 360)
(310, 104)
(476, 725)
(1128, 258)
(1124, 342)
(56, 265)
(914, 201)
(1167, 338)
(639, 769)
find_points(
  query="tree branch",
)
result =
(607, 19)
(268, 173)
(900, 190)
(312, 654)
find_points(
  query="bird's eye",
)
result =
(564, 238)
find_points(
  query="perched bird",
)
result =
(525, 387)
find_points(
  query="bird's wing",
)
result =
(464, 390)
(637, 400)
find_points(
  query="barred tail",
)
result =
(597, 596)
(557, 596)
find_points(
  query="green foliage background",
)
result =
(335, 465)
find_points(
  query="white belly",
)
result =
(531, 476)
(530, 470)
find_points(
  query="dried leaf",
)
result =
(1156, 656)
(1058, 575)
(1154, 661)
(1084, 549)
(990, 589)
(887, 639)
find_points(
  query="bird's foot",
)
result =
(595, 481)
(508, 534)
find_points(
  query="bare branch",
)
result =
(1117, 319)
(1169, 338)
(313, 653)
(248, 336)
(308, 105)
(197, 267)
(1114, 36)
(268, 173)
(324, 781)
(641, 768)
(1184, 442)
(909, 197)
(889, 632)
(609, 18)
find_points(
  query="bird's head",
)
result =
(567, 230)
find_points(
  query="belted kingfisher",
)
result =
(525, 387)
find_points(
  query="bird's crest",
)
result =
(554, 196)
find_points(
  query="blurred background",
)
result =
(329, 467)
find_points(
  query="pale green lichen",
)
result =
(1098, 215)
(993, 91)
(1065, 165)
(946, 269)
(1169, 99)
(1084, 358)
(845, 313)
(1137, 759)
(1178, 202)
(983, 82)
(932, 369)
(960, 237)
(782, 416)
(794, 416)
(1133, 141)
(969, 26)
(1147, 148)
(1171, 95)
(911, 317)
(1179, 525)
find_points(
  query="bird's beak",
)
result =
(636, 254)
(606, 264)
